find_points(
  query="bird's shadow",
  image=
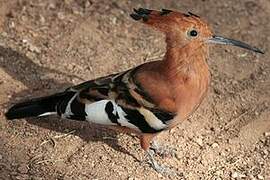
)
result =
(23, 69)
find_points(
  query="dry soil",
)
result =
(46, 46)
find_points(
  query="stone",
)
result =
(235, 175)
(23, 168)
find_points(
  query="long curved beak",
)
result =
(226, 41)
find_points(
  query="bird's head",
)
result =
(184, 29)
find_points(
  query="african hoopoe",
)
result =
(147, 99)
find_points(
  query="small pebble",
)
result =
(265, 152)
(22, 177)
(52, 6)
(33, 48)
(215, 145)
(114, 20)
(4, 34)
(11, 24)
(87, 4)
(24, 40)
(256, 113)
(235, 175)
(199, 141)
(234, 82)
(103, 158)
(42, 19)
(242, 176)
(61, 15)
(267, 134)
(23, 168)
(219, 173)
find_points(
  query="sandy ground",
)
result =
(45, 46)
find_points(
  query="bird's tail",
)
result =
(37, 107)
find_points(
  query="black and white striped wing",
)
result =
(115, 100)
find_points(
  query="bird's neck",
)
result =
(181, 62)
(187, 72)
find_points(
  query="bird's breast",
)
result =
(191, 88)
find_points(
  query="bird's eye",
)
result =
(193, 33)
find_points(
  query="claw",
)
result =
(158, 168)
(162, 151)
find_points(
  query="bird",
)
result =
(148, 99)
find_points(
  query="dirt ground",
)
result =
(45, 46)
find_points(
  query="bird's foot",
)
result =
(162, 150)
(157, 167)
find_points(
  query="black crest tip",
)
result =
(141, 13)
(165, 12)
(192, 14)
(136, 17)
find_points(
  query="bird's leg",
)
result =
(163, 151)
(145, 140)
(159, 168)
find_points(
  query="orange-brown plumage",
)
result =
(150, 98)
(182, 76)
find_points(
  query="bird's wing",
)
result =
(97, 89)
(121, 87)
(117, 99)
